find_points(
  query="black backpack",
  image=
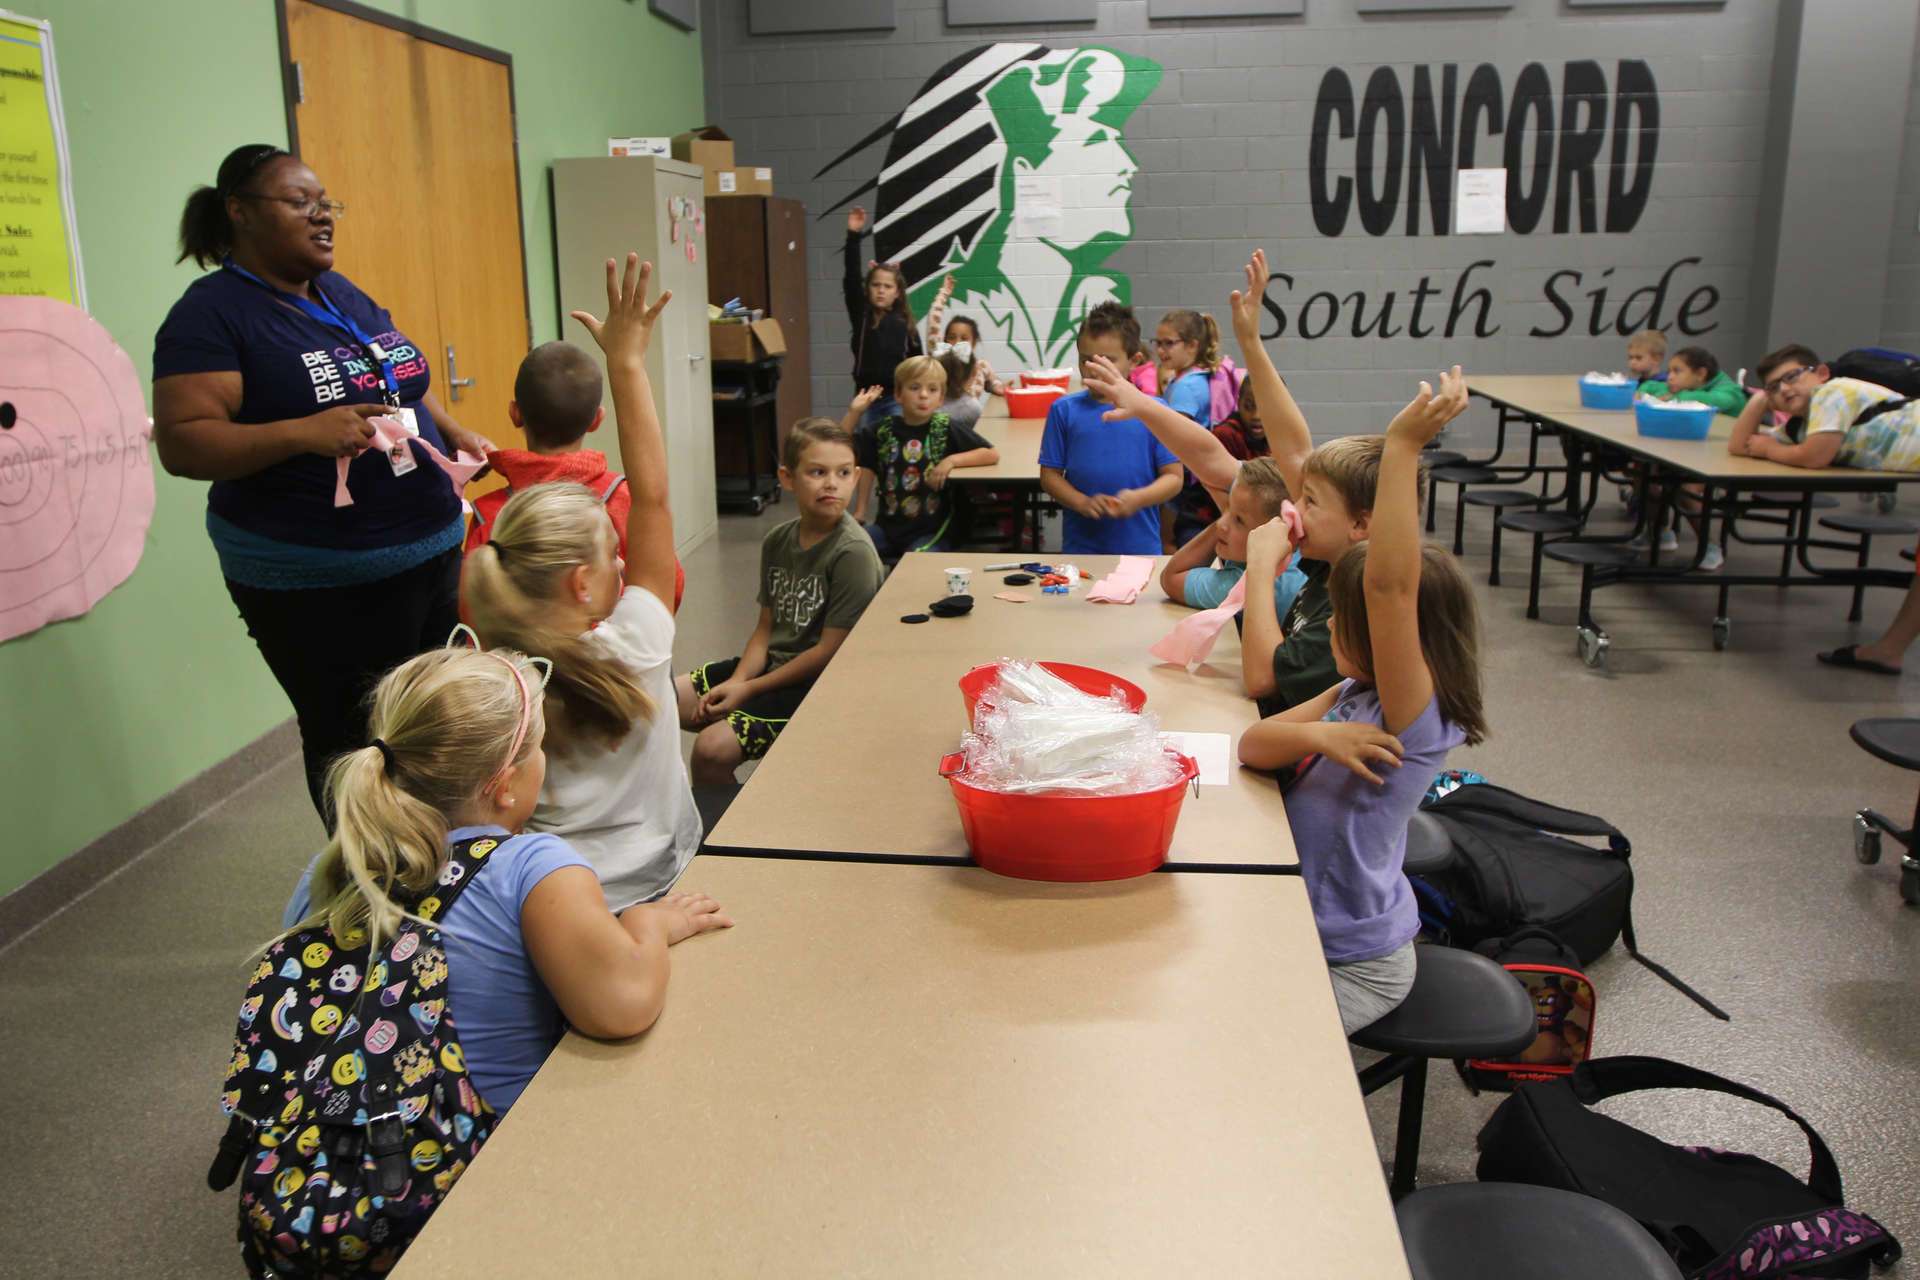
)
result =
(1894, 370)
(1514, 868)
(351, 1111)
(1721, 1214)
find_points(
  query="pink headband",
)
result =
(526, 694)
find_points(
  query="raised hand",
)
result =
(628, 329)
(863, 400)
(857, 220)
(1103, 377)
(1246, 304)
(1428, 413)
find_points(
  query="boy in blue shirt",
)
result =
(1109, 477)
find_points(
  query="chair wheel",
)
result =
(1721, 627)
(1593, 647)
(1866, 841)
(1885, 501)
(759, 504)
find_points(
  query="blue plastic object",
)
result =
(1607, 395)
(1680, 422)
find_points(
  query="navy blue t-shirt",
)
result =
(293, 366)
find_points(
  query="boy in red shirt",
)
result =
(556, 402)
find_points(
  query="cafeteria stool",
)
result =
(1460, 474)
(1866, 526)
(1539, 524)
(1895, 739)
(1462, 1005)
(1512, 1231)
(1590, 556)
(1500, 500)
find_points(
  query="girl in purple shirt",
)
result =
(1406, 635)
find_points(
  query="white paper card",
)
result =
(1213, 752)
(1037, 202)
(1480, 202)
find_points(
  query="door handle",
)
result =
(695, 359)
(454, 380)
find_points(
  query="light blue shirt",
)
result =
(1192, 394)
(1208, 588)
(507, 1020)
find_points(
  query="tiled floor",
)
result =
(1731, 772)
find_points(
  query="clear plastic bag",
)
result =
(1033, 733)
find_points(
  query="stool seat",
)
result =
(1465, 473)
(1509, 1231)
(1821, 501)
(1442, 458)
(1597, 553)
(1503, 498)
(1462, 1005)
(1542, 521)
(1867, 522)
(1895, 739)
(1429, 847)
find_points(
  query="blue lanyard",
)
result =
(333, 317)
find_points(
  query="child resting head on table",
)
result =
(1284, 658)
(1832, 422)
(907, 455)
(817, 574)
(1406, 638)
(1191, 576)
(552, 581)
(456, 760)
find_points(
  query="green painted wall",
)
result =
(103, 715)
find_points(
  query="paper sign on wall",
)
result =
(1037, 206)
(39, 246)
(76, 475)
(1480, 202)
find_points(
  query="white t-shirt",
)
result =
(629, 811)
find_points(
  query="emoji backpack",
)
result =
(350, 1109)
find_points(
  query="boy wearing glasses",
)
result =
(1835, 422)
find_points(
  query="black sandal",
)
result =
(1845, 656)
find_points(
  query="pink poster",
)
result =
(76, 477)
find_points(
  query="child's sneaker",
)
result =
(1669, 540)
(1713, 559)
(1637, 543)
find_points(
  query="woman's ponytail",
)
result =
(206, 232)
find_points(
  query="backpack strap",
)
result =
(1873, 411)
(1600, 1078)
(606, 494)
(1486, 797)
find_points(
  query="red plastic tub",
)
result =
(1086, 679)
(1032, 402)
(1061, 378)
(1068, 837)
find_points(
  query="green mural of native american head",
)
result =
(1009, 171)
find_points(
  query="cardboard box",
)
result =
(708, 146)
(754, 180)
(746, 343)
(662, 147)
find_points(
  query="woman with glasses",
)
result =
(265, 373)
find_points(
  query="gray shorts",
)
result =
(1368, 990)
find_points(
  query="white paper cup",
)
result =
(958, 581)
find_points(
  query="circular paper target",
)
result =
(76, 479)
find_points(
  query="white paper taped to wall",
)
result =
(1480, 202)
(1037, 206)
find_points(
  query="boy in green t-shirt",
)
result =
(817, 573)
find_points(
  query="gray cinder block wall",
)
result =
(1223, 149)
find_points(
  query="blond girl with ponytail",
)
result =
(456, 757)
(551, 581)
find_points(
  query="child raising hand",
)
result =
(1406, 639)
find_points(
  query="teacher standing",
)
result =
(265, 372)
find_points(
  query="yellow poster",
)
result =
(39, 250)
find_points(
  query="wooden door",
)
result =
(416, 137)
(787, 303)
(358, 93)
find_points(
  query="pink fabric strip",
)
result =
(386, 434)
(1192, 640)
(1123, 585)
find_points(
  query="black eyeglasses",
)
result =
(1161, 344)
(305, 206)
(1773, 388)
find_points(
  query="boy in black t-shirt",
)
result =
(907, 456)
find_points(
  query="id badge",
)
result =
(400, 457)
